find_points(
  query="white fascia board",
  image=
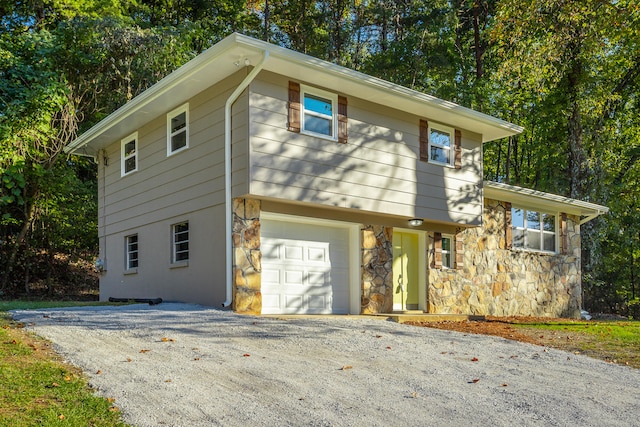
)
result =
(229, 55)
(526, 197)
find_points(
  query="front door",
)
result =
(405, 271)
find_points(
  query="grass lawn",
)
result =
(37, 388)
(616, 342)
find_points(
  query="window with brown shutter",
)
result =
(564, 236)
(424, 140)
(294, 107)
(508, 231)
(459, 248)
(457, 153)
(437, 251)
(342, 119)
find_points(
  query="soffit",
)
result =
(534, 199)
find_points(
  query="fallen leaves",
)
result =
(346, 367)
(475, 359)
(144, 351)
(165, 339)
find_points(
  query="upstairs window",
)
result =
(533, 230)
(440, 144)
(131, 244)
(180, 233)
(129, 159)
(178, 129)
(317, 112)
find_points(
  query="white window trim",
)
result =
(127, 261)
(333, 97)
(170, 115)
(556, 220)
(452, 143)
(123, 158)
(174, 261)
(451, 251)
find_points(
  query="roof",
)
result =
(236, 51)
(543, 201)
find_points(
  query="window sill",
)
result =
(534, 251)
(179, 264)
(130, 271)
(178, 151)
(319, 135)
(445, 165)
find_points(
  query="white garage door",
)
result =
(305, 268)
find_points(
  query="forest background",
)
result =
(567, 71)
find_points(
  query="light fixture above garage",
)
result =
(415, 222)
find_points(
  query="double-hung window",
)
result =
(441, 144)
(131, 243)
(533, 230)
(319, 112)
(180, 242)
(447, 252)
(178, 130)
(129, 158)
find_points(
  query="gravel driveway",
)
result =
(187, 365)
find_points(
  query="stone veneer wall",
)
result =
(247, 257)
(377, 273)
(499, 281)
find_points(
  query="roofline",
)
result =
(176, 77)
(376, 82)
(499, 190)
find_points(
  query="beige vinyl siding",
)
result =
(155, 277)
(378, 170)
(187, 186)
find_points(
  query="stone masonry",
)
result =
(496, 280)
(377, 274)
(247, 257)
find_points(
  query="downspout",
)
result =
(227, 174)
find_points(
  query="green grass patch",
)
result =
(617, 342)
(38, 304)
(37, 388)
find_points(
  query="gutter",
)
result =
(227, 174)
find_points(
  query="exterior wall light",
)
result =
(415, 222)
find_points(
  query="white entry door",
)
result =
(305, 268)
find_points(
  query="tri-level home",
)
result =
(262, 179)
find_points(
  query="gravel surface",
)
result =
(187, 365)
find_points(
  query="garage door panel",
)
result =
(293, 253)
(311, 262)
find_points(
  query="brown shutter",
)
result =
(342, 119)
(459, 262)
(437, 250)
(457, 152)
(424, 140)
(294, 107)
(508, 230)
(564, 237)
